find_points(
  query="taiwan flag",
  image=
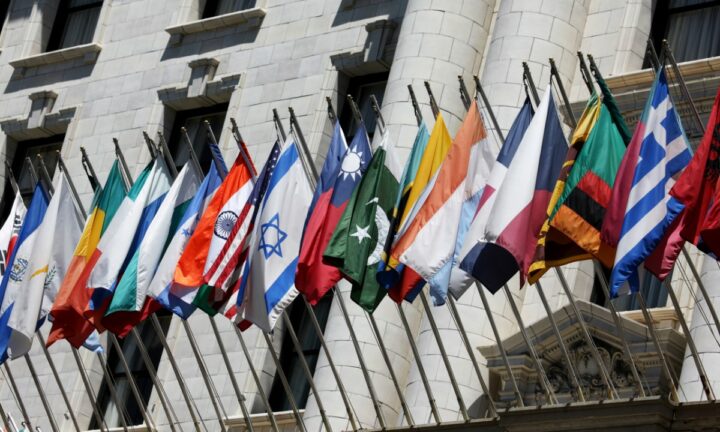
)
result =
(340, 175)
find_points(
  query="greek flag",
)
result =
(655, 158)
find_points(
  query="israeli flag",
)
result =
(268, 281)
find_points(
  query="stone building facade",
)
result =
(80, 73)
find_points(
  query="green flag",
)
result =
(357, 243)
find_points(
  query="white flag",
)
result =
(268, 282)
(50, 257)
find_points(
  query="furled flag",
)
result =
(10, 231)
(73, 296)
(49, 259)
(640, 204)
(122, 237)
(170, 296)
(340, 175)
(517, 208)
(575, 214)
(209, 237)
(268, 280)
(130, 304)
(356, 245)
(402, 282)
(430, 243)
(19, 266)
(698, 190)
(229, 263)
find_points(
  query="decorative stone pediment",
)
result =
(203, 88)
(604, 333)
(375, 56)
(42, 120)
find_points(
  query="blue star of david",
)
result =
(271, 237)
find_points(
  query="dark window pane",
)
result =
(361, 88)
(194, 122)
(220, 7)
(695, 35)
(75, 23)
(47, 149)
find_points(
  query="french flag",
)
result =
(514, 205)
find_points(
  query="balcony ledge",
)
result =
(88, 51)
(254, 16)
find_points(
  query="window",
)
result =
(220, 7)
(652, 289)
(361, 88)
(75, 23)
(130, 408)
(4, 6)
(194, 122)
(289, 358)
(691, 27)
(47, 149)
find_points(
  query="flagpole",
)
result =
(530, 83)
(5, 420)
(99, 418)
(54, 371)
(416, 107)
(41, 393)
(488, 107)
(218, 338)
(300, 422)
(153, 317)
(681, 81)
(121, 354)
(231, 373)
(162, 394)
(89, 171)
(376, 331)
(558, 271)
(311, 311)
(31, 170)
(413, 345)
(691, 343)
(113, 391)
(11, 177)
(256, 378)
(554, 73)
(306, 370)
(121, 158)
(212, 391)
(150, 145)
(330, 110)
(563, 349)
(433, 104)
(312, 176)
(464, 94)
(585, 73)
(18, 398)
(663, 361)
(133, 387)
(222, 175)
(165, 151)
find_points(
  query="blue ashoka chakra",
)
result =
(225, 223)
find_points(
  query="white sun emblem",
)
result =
(351, 164)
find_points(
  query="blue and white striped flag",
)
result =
(268, 281)
(656, 156)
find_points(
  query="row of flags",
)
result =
(245, 244)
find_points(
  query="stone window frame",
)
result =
(189, 20)
(42, 17)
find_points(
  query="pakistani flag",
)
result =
(356, 246)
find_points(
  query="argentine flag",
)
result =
(19, 264)
(268, 281)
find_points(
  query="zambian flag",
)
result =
(577, 208)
